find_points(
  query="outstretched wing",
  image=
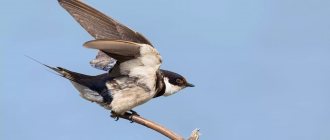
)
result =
(133, 59)
(101, 26)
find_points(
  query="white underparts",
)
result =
(144, 67)
(170, 88)
(87, 93)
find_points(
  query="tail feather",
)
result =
(95, 83)
(59, 71)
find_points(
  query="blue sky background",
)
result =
(261, 69)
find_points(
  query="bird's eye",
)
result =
(179, 81)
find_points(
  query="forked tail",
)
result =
(94, 83)
(72, 76)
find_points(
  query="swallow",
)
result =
(132, 63)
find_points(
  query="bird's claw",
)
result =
(130, 116)
(130, 113)
(114, 115)
(134, 113)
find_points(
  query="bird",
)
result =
(132, 63)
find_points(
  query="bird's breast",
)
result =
(128, 92)
(126, 82)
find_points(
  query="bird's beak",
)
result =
(190, 85)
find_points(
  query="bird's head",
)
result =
(174, 82)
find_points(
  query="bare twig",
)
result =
(157, 127)
(194, 135)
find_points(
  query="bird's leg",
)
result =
(130, 117)
(131, 113)
(134, 112)
(114, 115)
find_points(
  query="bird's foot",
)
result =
(131, 113)
(114, 115)
(134, 112)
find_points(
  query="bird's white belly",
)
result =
(125, 100)
(127, 94)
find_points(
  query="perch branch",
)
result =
(157, 127)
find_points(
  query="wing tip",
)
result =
(62, 2)
(94, 43)
(88, 44)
